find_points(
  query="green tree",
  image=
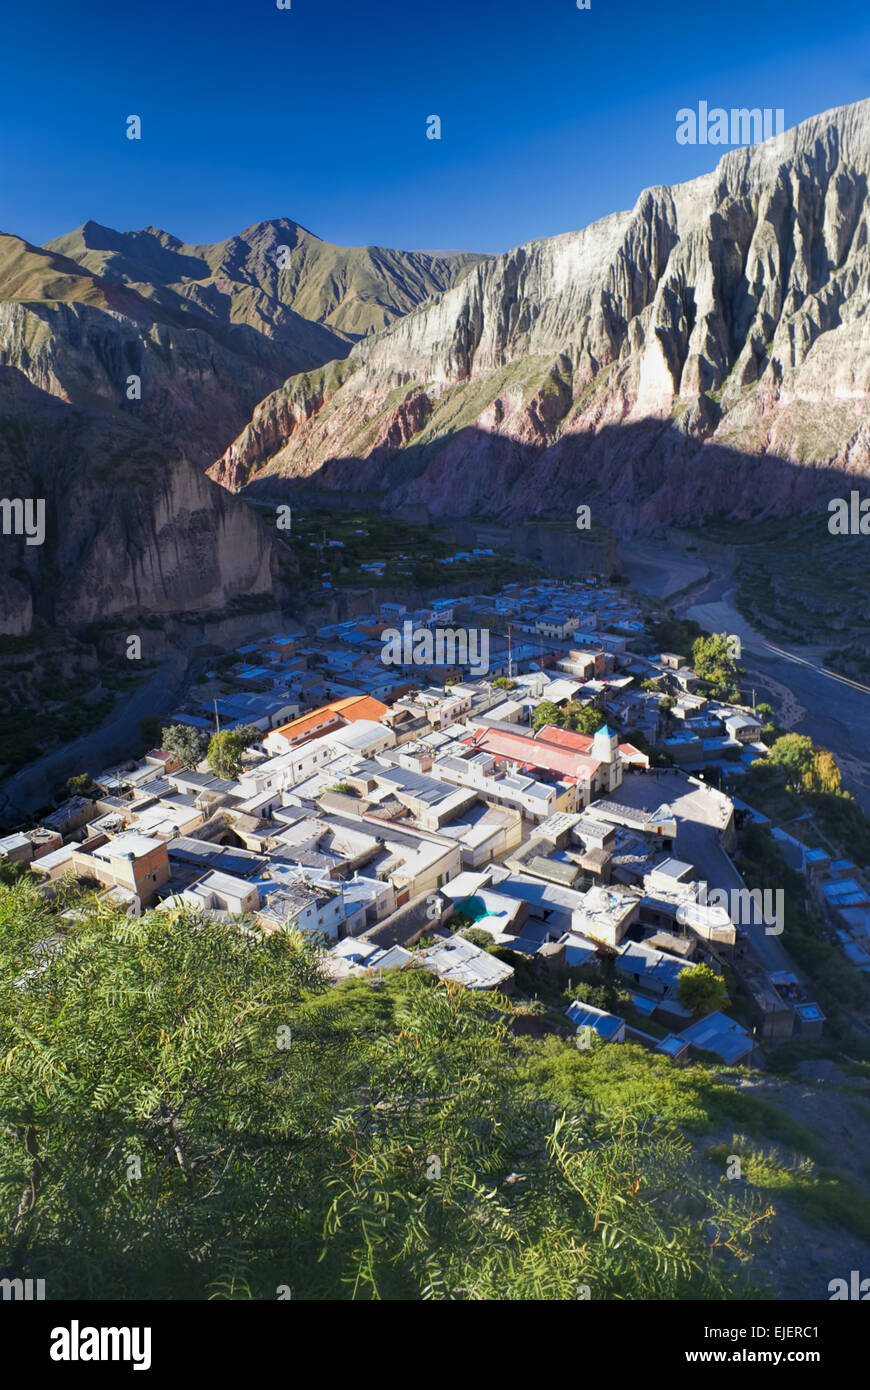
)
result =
(546, 713)
(79, 785)
(184, 742)
(226, 748)
(713, 665)
(826, 775)
(793, 755)
(478, 936)
(186, 1111)
(701, 990)
(585, 719)
(599, 996)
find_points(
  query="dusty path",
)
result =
(833, 710)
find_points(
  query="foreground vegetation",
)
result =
(186, 1111)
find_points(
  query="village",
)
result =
(415, 813)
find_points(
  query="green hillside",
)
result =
(188, 1111)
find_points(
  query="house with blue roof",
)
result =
(722, 1035)
(653, 972)
(608, 1026)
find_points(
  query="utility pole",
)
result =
(217, 722)
(510, 657)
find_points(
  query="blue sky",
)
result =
(551, 116)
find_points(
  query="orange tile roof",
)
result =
(316, 718)
(348, 710)
(570, 738)
(565, 738)
(354, 707)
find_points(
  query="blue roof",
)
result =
(587, 1016)
(844, 891)
(649, 964)
(643, 1005)
(720, 1034)
(192, 719)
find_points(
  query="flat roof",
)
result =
(721, 1034)
(225, 858)
(217, 882)
(128, 843)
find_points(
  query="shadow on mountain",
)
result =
(130, 524)
(634, 477)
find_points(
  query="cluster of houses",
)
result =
(380, 805)
(837, 886)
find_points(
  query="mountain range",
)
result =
(127, 363)
(706, 352)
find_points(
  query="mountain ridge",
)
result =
(147, 359)
(727, 309)
(348, 290)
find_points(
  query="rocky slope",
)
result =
(707, 351)
(130, 525)
(80, 336)
(272, 277)
(206, 331)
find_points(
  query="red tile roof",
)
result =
(530, 752)
(569, 738)
(565, 738)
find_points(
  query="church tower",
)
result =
(605, 747)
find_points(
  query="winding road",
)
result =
(809, 699)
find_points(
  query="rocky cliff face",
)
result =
(127, 363)
(130, 526)
(687, 357)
